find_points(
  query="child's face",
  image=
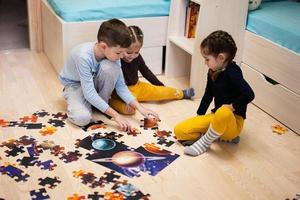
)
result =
(132, 52)
(213, 62)
(114, 53)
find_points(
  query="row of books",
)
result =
(192, 14)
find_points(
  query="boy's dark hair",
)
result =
(219, 42)
(136, 34)
(114, 33)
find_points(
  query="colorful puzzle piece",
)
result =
(279, 129)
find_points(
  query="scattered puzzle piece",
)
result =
(94, 125)
(95, 196)
(279, 129)
(40, 194)
(76, 197)
(56, 122)
(149, 123)
(113, 196)
(52, 182)
(14, 172)
(134, 132)
(48, 130)
(32, 118)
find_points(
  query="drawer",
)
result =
(153, 57)
(269, 58)
(278, 101)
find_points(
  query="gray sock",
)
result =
(202, 144)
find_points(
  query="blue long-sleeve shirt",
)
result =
(229, 88)
(81, 67)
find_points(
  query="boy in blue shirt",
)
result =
(93, 71)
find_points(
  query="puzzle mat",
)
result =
(37, 153)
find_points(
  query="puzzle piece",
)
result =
(94, 125)
(88, 178)
(149, 123)
(95, 196)
(56, 150)
(14, 151)
(14, 172)
(4, 123)
(111, 177)
(27, 161)
(56, 122)
(41, 113)
(78, 173)
(162, 133)
(125, 188)
(26, 140)
(165, 142)
(279, 129)
(48, 130)
(46, 165)
(60, 115)
(9, 144)
(70, 156)
(47, 144)
(134, 132)
(76, 197)
(32, 126)
(113, 196)
(40, 194)
(52, 182)
(34, 150)
(32, 118)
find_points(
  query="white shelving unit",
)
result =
(183, 56)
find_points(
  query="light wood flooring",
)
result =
(264, 165)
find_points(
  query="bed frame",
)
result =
(59, 37)
(279, 93)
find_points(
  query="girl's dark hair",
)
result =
(114, 33)
(136, 34)
(220, 42)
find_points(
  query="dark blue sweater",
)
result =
(229, 88)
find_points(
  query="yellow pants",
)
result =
(223, 121)
(145, 92)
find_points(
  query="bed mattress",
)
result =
(91, 10)
(278, 21)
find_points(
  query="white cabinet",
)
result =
(183, 56)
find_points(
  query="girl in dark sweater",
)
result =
(131, 63)
(230, 92)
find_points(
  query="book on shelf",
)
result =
(192, 14)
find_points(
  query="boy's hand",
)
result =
(123, 123)
(144, 111)
(149, 113)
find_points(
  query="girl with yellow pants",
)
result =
(131, 64)
(230, 92)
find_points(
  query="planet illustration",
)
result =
(128, 159)
(103, 144)
(156, 150)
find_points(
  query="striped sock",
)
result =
(188, 93)
(202, 144)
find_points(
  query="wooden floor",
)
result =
(263, 165)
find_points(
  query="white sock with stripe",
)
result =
(202, 144)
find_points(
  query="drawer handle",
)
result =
(269, 80)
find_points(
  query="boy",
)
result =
(93, 71)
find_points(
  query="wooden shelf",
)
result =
(187, 44)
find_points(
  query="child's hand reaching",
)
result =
(149, 113)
